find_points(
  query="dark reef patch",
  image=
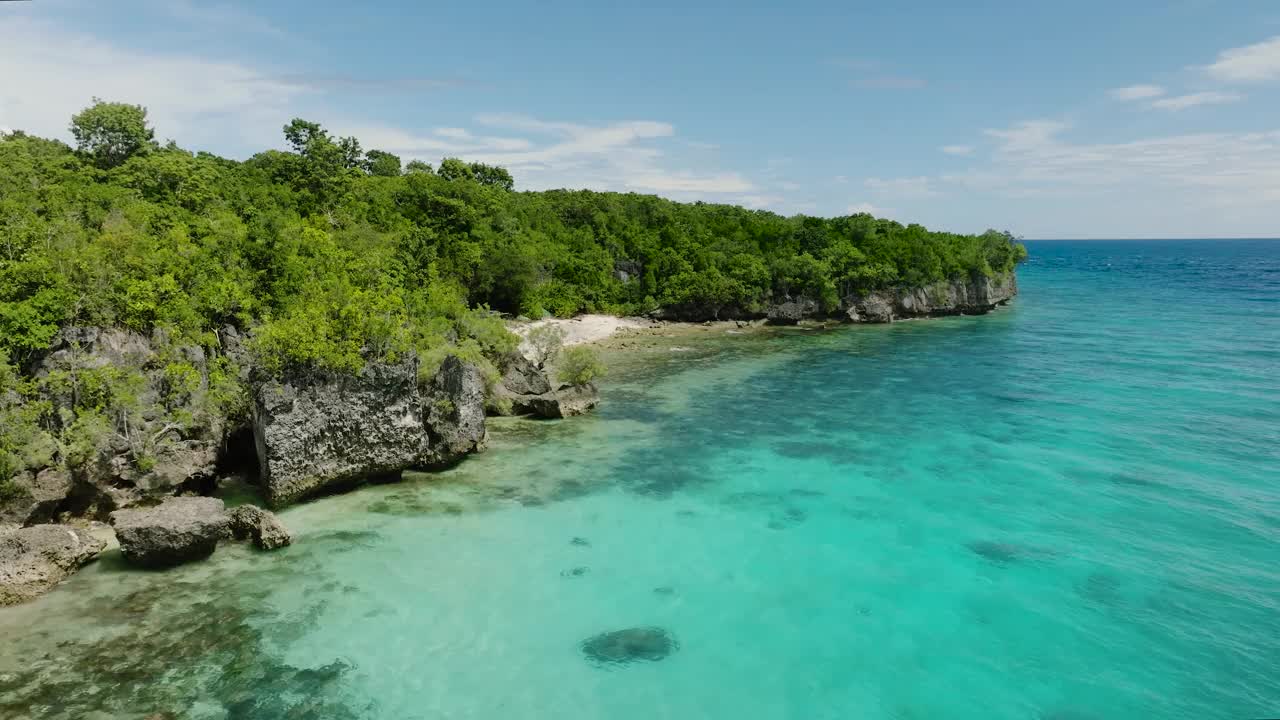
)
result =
(816, 450)
(1004, 553)
(621, 647)
(160, 649)
(579, 571)
(580, 542)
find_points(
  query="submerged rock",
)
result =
(35, 559)
(620, 647)
(178, 530)
(1007, 552)
(250, 522)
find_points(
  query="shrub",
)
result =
(579, 365)
(546, 341)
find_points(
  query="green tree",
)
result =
(112, 132)
(382, 164)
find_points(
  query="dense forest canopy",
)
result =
(331, 254)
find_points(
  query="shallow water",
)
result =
(1069, 508)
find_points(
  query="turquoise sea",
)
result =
(1066, 509)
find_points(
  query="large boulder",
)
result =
(566, 401)
(454, 407)
(35, 559)
(520, 376)
(178, 530)
(249, 522)
(315, 432)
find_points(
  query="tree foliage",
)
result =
(327, 255)
(110, 132)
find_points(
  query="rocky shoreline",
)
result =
(309, 433)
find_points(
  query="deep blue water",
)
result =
(1066, 509)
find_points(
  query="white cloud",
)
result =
(761, 202)
(870, 209)
(1259, 62)
(1182, 102)
(226, 106)
(841, 179)
(903, 187)
(685, 182)
(957, 149)
(1202, 169)
(1136, 92)
(50, 74)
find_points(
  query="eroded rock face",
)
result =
(792, 311)
(314, 432)
(621, 647)
(250, 522)
(976, 295)
(453, 405)
(181, 456)
(36, 496)
(179, 530)
(566, 401)
(35, 559)
(521, 378)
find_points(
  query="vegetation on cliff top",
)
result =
(332, 253)
(327, 255)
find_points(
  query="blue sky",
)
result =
(1084, 119)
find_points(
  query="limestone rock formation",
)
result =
(792, 311)
(566, 401)
(178, 530)
(972, 296)
(36, 496)
(35, 559)
(315, 432)
(454, 411)
(250, 522)
(146, 453)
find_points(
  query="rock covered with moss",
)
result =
(116, 418)
(179, 530)
(35, 559)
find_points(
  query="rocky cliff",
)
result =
(316, 431)
(125, 419)
(961, 296)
